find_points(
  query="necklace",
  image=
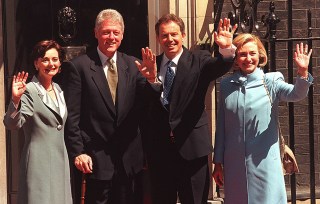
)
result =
(50, 90)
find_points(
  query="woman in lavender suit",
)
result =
(38, 110)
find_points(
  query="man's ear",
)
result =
(183, 36)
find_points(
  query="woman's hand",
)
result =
(302, 58)
(224, 36)
(18, 86)
(218, 174)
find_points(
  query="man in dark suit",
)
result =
(102, 93)
(175, 128)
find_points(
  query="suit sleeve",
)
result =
(16, 117)
(72, 88)
(214, 67)
(220, 132)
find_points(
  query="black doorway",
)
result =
(37, 20)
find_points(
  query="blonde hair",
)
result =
(244, 38)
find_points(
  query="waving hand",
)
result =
(148, 68)
(302, 58)
(18, 86)
(224, 36)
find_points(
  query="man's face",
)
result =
(109, 36)
(170, 39)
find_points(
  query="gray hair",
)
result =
(111, 15)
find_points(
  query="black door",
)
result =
(37, 20)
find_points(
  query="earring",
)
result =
(59, 70)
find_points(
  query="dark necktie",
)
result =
(168, 83)
(112, 77)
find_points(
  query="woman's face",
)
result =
(48, 66)
(248, 57)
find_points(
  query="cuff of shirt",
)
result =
(156, 85)
(229, 52)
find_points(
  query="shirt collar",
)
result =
(103, 57)
(175, 59)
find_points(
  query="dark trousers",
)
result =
(172, 176)
(120, 190)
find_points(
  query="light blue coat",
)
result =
(246, 140)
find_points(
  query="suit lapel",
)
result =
(61, 101)
(159, 60)
(122, 88)
(99, 78)
(46, 100)
(183, 78)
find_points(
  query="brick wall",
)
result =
(301, 121)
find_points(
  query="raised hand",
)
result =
(224, 36)
(148, 68)
(302, 58)
(18, 86)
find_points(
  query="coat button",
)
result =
(59, 127)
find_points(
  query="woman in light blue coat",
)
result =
(246, 153)
(38, 109)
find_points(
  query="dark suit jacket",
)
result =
(186, 116)
(108, 133)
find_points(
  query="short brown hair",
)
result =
(43, 46)
(168, 18)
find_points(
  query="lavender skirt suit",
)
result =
(44, 176)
